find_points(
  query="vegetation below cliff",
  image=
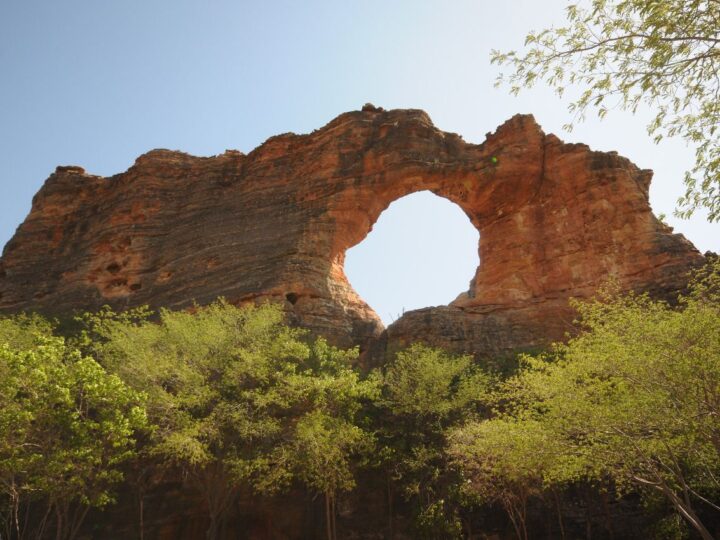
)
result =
(232, 401)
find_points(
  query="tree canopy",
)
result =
(232, 400)
(239, 399)
(66, 427)
(426, 392)
(634, 399)
(663, 53)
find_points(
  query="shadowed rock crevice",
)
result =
(555, 220)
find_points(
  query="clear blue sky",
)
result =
(97, 83)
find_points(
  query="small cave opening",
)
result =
(421, 252)
(292, 297)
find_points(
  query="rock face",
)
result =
(555, 220)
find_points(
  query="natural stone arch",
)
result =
(554, 219)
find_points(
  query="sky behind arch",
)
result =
(96, 84)
(422, 251)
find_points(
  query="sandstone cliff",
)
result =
(555, 221)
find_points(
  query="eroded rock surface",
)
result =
(555, 221)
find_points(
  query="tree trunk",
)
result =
(219, 496)
(685, 510)
(606, 514)
(390, 508)
(523, 518)
(588, 517)
(513, 512)
(333, 511)
(328, 521)
(40, 531)
(78, 519)
(212, 532)
(515, 525)
(142, 517)
(559, 514)
(15, 501)
(688, 513)
(59, 523)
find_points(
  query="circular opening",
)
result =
(422, 251)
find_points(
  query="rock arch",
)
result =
(555, 220)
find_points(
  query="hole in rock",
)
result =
(422, 251)
(292, 298)
(115, 283)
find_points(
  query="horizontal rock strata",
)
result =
(555, 220)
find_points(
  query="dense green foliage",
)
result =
(633, 400)
(66, 425)
(664, 53)
(425, 392)
(238, 399)
(233, 401)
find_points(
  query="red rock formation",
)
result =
(555, 221)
